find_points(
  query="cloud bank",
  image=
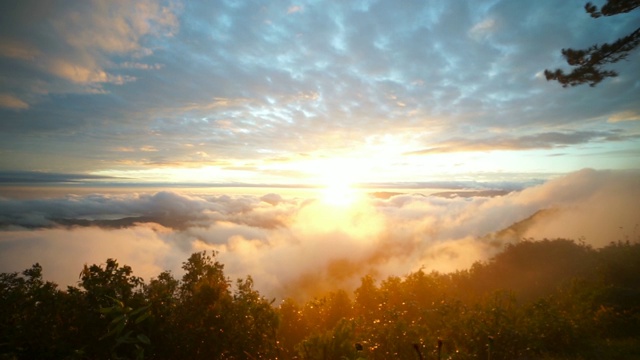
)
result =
(294, 246)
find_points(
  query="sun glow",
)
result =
(343, 210)
(339, 194)
(336, 178)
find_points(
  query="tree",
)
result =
(336, 343)
(579, 303)
(112, 281)
(589, 62)
(255, 321)
(99, 286)
(293, 327)
(204, 310)
(162, 296)
(30, 317)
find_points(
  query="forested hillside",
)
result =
(550, 299)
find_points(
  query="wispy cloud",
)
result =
(11, 102)
(28, 177)
(625, 116)
(547, 140)
(294, 9)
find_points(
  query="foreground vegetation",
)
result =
(535, 300)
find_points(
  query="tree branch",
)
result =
(589, 61)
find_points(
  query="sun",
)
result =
(339, 193)
(335, 180)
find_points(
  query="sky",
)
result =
(145, 131)
(302, 92)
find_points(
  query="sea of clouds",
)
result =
(299, 246)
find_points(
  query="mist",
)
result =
(302, 246)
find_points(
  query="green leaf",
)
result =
(144, 339)
(126, 338)
(118, 329)
(108, 334)
(116, 301)
(142, 317)
(118, 319)
(139, 310)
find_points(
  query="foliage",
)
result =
(29, 308)
(588, 62)
(123, 318)
(549, 299)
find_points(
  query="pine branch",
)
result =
(590, 61)
(612, 7)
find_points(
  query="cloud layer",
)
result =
(250, 90)
(298, 246)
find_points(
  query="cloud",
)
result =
(547, 140)
(625, 116)
(299, 246)
(483, 29)
(148, 148)
(294, 9)
(63, 252)
(76, 44)
(590, 205)
(22, 177)
(9, 101)
(14, 49)
(223, 75)
(141, 66)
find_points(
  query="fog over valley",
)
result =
(297, 246)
